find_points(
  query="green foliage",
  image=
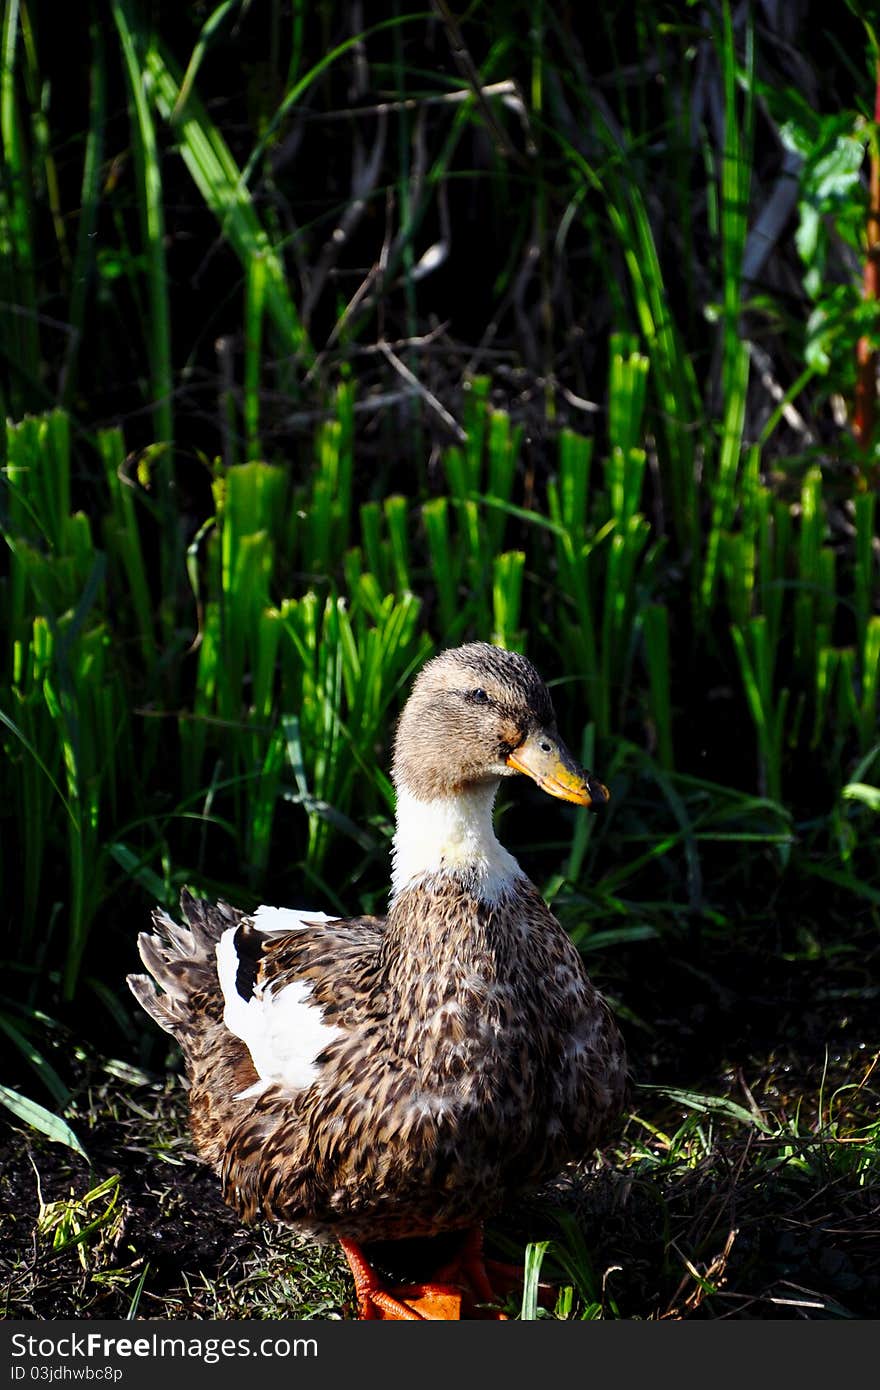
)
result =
(39, 1118)
(292, 696)
(198, 679)
(832, 207)
(535, 1253)
(80, 1222)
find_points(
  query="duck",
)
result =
(401, 1079)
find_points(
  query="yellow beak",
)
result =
(545, 759)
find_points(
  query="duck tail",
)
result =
(182, 961)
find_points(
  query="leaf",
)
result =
(797, 138)
(861, 791)
(834, 174)
(807, 235)
(718, 1105)
(136, 868)
(617, 936)
(39, 1118)
(535, 1253)
(44, 1069)
(14, 729)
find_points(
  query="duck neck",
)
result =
(451, 836)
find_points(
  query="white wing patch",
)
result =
(286, 918)
(284, 1029)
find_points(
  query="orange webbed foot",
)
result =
(456, 1292)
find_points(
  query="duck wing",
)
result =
(258, 1004)
(294, 983)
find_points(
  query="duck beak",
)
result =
(545, 758)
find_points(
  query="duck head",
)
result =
(479, 713)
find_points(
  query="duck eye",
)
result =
(478, 696)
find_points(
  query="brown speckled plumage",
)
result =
(471, 1056)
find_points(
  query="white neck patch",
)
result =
(449, 835)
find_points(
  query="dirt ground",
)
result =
(764, 1203)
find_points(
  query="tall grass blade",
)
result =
(151, 204)
(17, 275)
(83, 269)
(655, 627)
(534, 1258)
(38, 1117)
(220, 182)
(255, 304)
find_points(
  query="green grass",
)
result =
(292, 696)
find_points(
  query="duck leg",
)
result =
(431, 1302)
(490, 1280)
(469, 1267)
